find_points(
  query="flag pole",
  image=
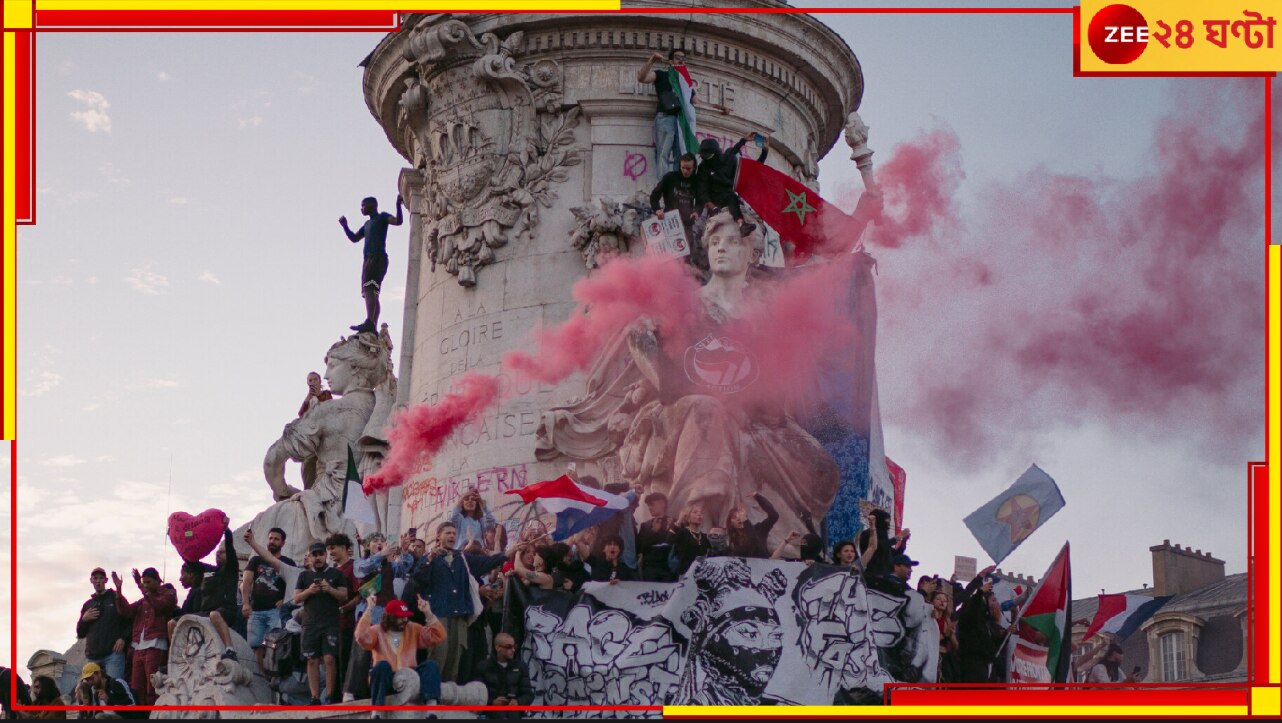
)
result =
(861, 154)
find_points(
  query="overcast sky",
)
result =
(187, 272)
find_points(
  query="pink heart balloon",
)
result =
(195, 536)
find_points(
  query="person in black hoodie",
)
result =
(609, 567)
(748, 539)
(506, 679)
(218, 592)
(714, 181)
(980, 634)
(105, 631)
(654, 540)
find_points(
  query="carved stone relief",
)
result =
(492, 138)
(198, 675)
(606, 227)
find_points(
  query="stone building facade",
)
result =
(1199, 635)
(524, 134)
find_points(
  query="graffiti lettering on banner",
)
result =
(732, 631)
(666, 236)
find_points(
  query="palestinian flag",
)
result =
(1045, 627)
(683, 84)
(798, 214)
(372, 586)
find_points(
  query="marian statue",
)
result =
(359, 371)
(672, 420)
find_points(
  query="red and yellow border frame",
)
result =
(1261, 696)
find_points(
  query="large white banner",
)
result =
(732, 631)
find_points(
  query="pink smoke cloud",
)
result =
(919, 182)
(625, 290)
(1061, 300)
(418, 433)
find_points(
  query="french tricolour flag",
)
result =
(576, 507)
(1122, 614)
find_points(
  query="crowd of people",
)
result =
(361, 610)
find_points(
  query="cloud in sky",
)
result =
(113, 176)
(94, 116)
(63, 460)
(251, 122)
(179, 200)
(45, 383)
(162, 76)
(145, 281)
(209, 278)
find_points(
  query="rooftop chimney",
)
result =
(1177, 569)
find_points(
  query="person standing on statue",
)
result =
(714, 180)
(674, 117)
(375, 267)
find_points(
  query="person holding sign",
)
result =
(677, 191)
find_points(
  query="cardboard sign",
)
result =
(666, 236)
(964, 568)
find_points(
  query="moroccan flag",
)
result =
(1039, 653)
(791, 208)
(679, 78)
(1123, 614)
(576, 507)
(1010, 517)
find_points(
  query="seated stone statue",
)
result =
(673, 419)
(358, 369)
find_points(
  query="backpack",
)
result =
(280, 655)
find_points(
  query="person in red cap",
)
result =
(394, 644)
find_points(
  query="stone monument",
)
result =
(508, 123)
(198, 675)
(359, 371)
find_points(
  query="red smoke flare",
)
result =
(419, 432)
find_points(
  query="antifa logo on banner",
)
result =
(732, 631)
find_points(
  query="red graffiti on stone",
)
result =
(195, 536)
(635, 165)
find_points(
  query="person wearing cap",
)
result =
(99, 690)
(902, 569)
(321, 590)
(394, 644)
(150, 636)
(104, 631)
(377, 574)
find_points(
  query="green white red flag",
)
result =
(1040, 647)
(679, 78)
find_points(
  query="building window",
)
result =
(1172, 656)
